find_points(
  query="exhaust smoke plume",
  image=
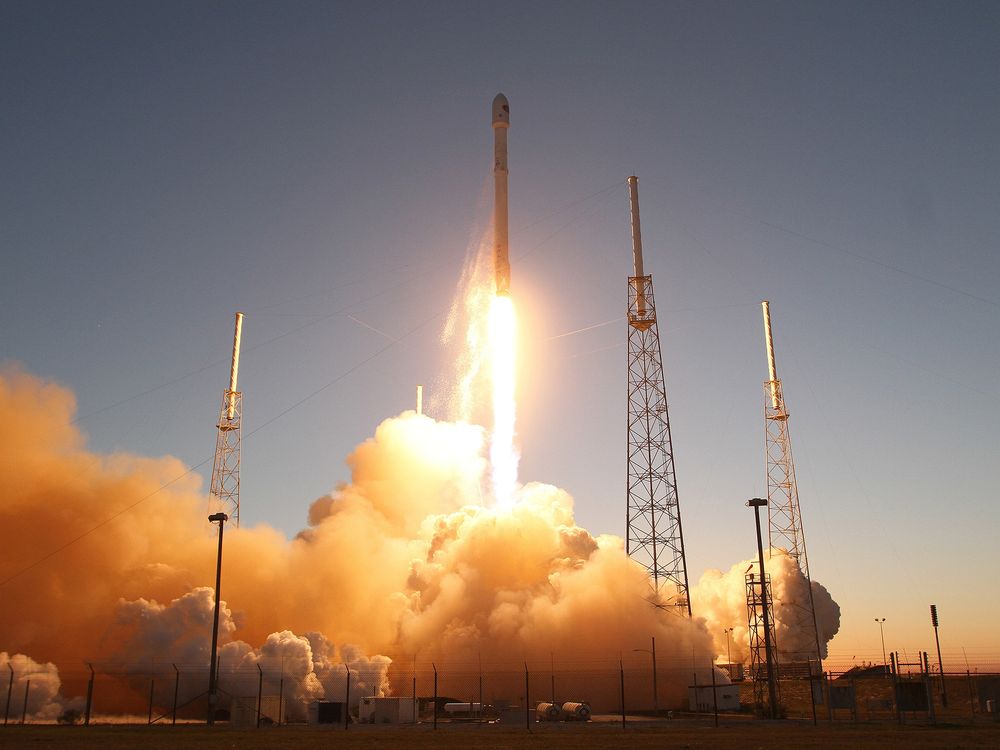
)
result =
(408, 561)
(426, 553)
(721, 600)
(44, 700)
(486, 363)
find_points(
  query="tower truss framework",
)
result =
(783, 516)
(758, 643)
(226, 469)
(785, 530)
(654, 534)
(225, 487)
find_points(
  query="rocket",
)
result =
(501, 254)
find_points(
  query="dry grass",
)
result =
(746, 734)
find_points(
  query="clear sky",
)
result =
(324, 166)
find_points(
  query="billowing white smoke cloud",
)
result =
(403, 561)
(721, 598)
(303, 667)
(44, 700)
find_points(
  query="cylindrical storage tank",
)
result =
(575, 711)
(547, 712)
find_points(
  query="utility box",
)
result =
(727, 696)
(243, 711)
(387, 710)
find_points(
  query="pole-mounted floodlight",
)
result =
(757, 503)
(944, 689)
(221, 519)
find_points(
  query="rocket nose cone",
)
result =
(501, 112)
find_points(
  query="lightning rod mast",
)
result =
(653, 515)
(225, 492)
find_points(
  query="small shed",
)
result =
(387, 710)
(700, 697)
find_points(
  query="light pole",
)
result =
(656, 700)
(757, 503)
(729, 653)
(934, 622)
(881, 632)
(221, 518)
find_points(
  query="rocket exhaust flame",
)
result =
(503, 453)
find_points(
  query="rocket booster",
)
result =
(501, 254)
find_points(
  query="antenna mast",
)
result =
(226, 469)
(653, 515)
(783, 516)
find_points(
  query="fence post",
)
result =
(715, 694)
(812, 695)
(90, 696)
(347, 698)
(829, 695)
(434, 667)
(527, 699)
(260, 691)
(177, 685)
(972, 695)
(895, 690)
(24, 709)
(930, 691)
(621, 683)
(10, 689)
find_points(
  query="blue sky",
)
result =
(320, 164)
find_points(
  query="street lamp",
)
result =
(221, 518)
(881, 632)
(656, 701)
(729, 654)
(757, 503)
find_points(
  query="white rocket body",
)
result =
(640, 285)
(501, 253)
(235, 367)
(772, 369)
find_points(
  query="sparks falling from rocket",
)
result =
(501, 256)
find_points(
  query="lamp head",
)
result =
(220, 517)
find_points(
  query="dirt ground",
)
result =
(750, 734)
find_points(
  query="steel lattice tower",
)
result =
(226, 469)
(784, 518)
(653, 536)
(758, 642)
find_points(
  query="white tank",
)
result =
(575, 712)
(547, 712)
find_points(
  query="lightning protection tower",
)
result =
(226, 470)
(784, 518)
(653, 524)
(763, 643)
